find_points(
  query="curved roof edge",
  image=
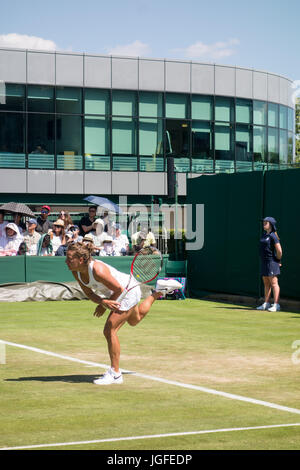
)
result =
(62, 52)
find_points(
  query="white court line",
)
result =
(165, 381)
(151, 436)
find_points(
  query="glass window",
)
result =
(243, 143)
(273, 115)
(283, 146)
(12, 133)
(177, 137)
(202, 139)
(68, 100)
(202, 107)
(124, 136)
(124, 103)
(223, 142)
(177, 106)
(243, 111)
(68, 135)
(291, 119)
(283, 117)
(290, 147)
(150, 104)
(260, 144)
(40, 134)
(150, 137)
(40, 99)
(224, 109)
(96, 135)
(260, 113)
(273, 145)
(96, 101)
(12, 97)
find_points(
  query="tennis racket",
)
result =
(145, 267)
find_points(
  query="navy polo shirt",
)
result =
(267, 246)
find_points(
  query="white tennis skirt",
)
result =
(131, 299)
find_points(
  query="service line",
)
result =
(151, 436)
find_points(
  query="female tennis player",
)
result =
(92, 274)
(270, 255)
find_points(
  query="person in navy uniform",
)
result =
(270, 256)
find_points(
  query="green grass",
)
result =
(223, 347)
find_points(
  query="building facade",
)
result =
(78, 124)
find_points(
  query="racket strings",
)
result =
(147, 267)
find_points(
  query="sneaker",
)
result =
(264, 306)
(110, 377)
(274, 308)
(167, 286)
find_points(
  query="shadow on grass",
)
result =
(61, 378)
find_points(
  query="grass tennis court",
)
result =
(206, 350)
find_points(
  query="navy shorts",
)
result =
(269, 268)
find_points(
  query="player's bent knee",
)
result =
(133, 321)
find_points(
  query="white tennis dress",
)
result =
(130, 300)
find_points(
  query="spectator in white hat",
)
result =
(99, 234)
(107, 249)
(10, 242)
(120, 241)
(58, 234)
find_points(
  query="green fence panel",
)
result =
(47, 268)
(282, 196)
(228, 261)
(234, 206)
(12, 269)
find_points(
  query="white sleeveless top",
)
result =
(120, 277)
(129, 301)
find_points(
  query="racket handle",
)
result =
(121, 297)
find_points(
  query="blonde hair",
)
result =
(82, 250)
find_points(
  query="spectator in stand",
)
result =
(43, 224)
(143, 238)
(57, 234)
(107, 249)
(62, 249)
(20, 223)
(31, 237)
(22, 249)
(45, 247)
(120, 241)
(10, 242)
(88, 239)
(3, 224)
(65, 216)
(138, 240)
(76, 237)
(86, 223)
(108, 223)
(99, 234)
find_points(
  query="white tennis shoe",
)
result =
(274, 308)
(110, 377)
(167, 286)
(264, 306)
